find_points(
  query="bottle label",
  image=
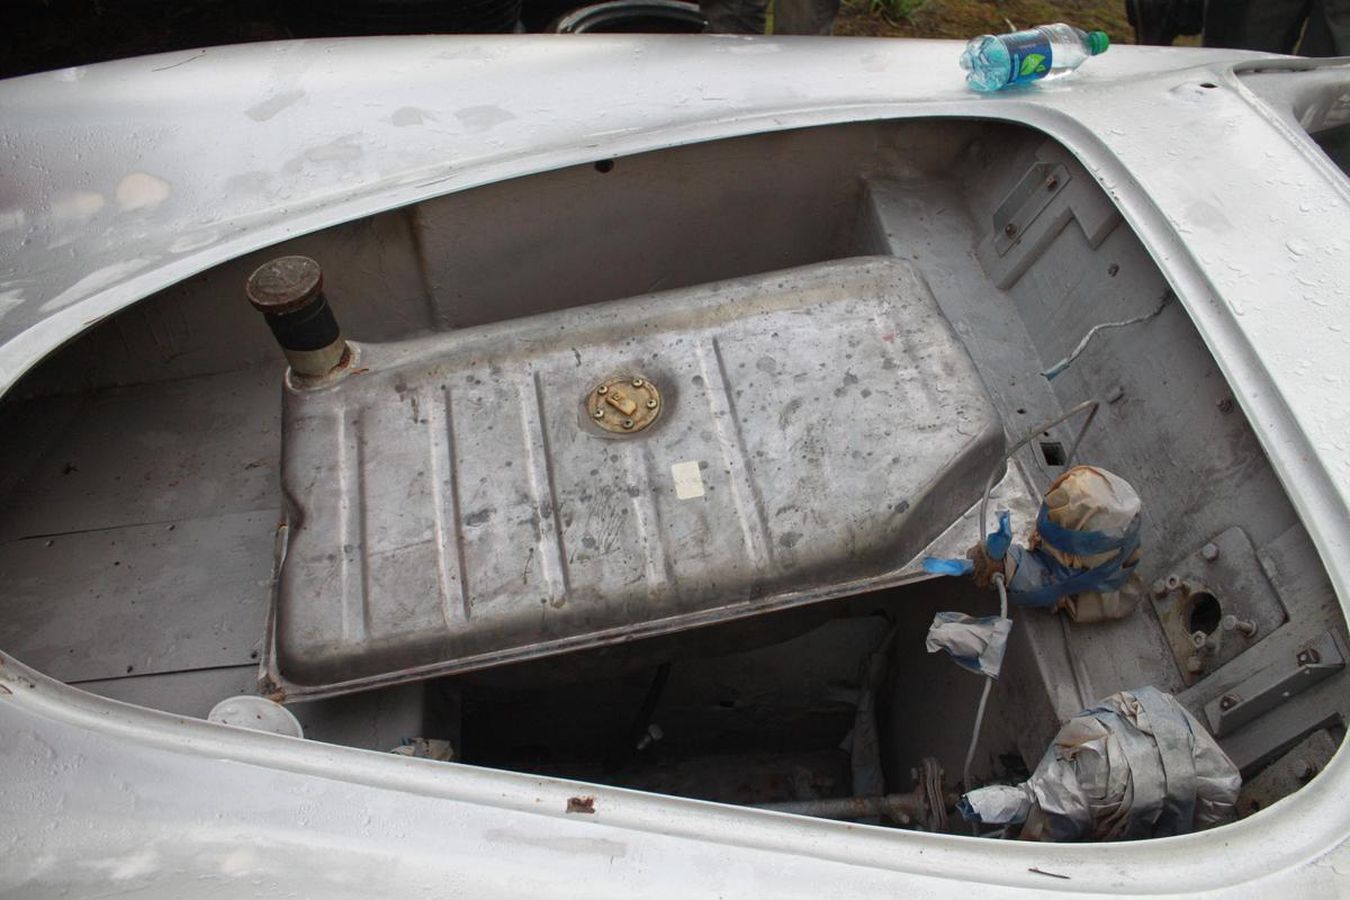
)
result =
(1030, 56)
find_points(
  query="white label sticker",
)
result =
(688, 480)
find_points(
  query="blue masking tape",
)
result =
(1063, 581)
(996, 545)
(1082, 543)
(934, 565)
(998, 542)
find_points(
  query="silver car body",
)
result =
(123, 178)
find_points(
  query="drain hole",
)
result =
(1205, 613)
(1053, 451)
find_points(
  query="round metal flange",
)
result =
(624, 404)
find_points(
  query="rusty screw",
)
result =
(1010, 229)
(1243, 626)
(1308, 657)
(1051, 183)
(1227, 701)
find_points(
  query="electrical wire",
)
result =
(1091, 406)
(1067, 361)
(984, 694)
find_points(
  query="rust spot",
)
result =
(271, 690)
(1051, 874)
(581, 804)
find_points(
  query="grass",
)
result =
(967, 18)
(895, 11)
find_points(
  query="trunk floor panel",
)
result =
(142, 541)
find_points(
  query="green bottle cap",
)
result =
(1098, 42)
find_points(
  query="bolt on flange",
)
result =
(624, 404)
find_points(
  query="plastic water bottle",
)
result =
(996, 61)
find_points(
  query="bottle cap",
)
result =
(1098, 42)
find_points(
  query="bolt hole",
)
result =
(1208, 85)
(1053, 451)
(605, 166)
(1205, 613)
